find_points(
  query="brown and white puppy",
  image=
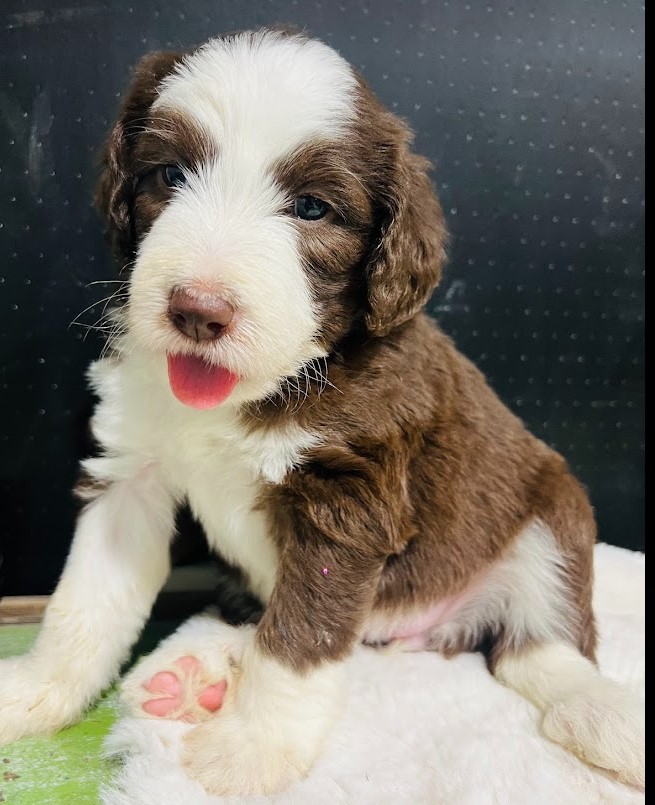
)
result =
(272, 367)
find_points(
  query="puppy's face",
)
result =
(267, 207)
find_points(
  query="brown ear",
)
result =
(116, 185)
(407, 260)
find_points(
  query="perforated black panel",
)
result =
(533, 113)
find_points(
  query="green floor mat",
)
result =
(68, 768)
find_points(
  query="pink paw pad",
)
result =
(212, 696)
(183, 694)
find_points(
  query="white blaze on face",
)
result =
(257, 98)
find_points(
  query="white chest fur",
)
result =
(206, 457)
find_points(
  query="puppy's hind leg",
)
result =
(547, 648)
(599, 720)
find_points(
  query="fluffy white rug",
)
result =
(421, 729)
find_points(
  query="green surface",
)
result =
(68, 767)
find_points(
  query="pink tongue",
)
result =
(197, 383)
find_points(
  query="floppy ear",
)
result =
(408, 257)
(114, 192)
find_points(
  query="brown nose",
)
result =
(201, 318)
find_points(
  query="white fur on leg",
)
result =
(270, 734)
(596, 718)
(118, 562)
(216, 645)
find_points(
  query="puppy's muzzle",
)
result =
(203, 318)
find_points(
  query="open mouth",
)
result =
(199, 384)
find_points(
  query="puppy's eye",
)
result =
(173, 176)
(310, 208)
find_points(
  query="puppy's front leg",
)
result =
(118, 562)
(290, 690)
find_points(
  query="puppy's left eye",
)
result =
(173, 175)
(310, 208)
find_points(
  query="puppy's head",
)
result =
(266, 207)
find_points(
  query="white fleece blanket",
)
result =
(419, 728)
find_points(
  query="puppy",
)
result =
(272, 368)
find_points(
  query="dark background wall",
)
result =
(533, 113)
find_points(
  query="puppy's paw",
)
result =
(604, 726)
(189, 676)
(31, 704)
(271, 732)
(183, 691)
(231, 755)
